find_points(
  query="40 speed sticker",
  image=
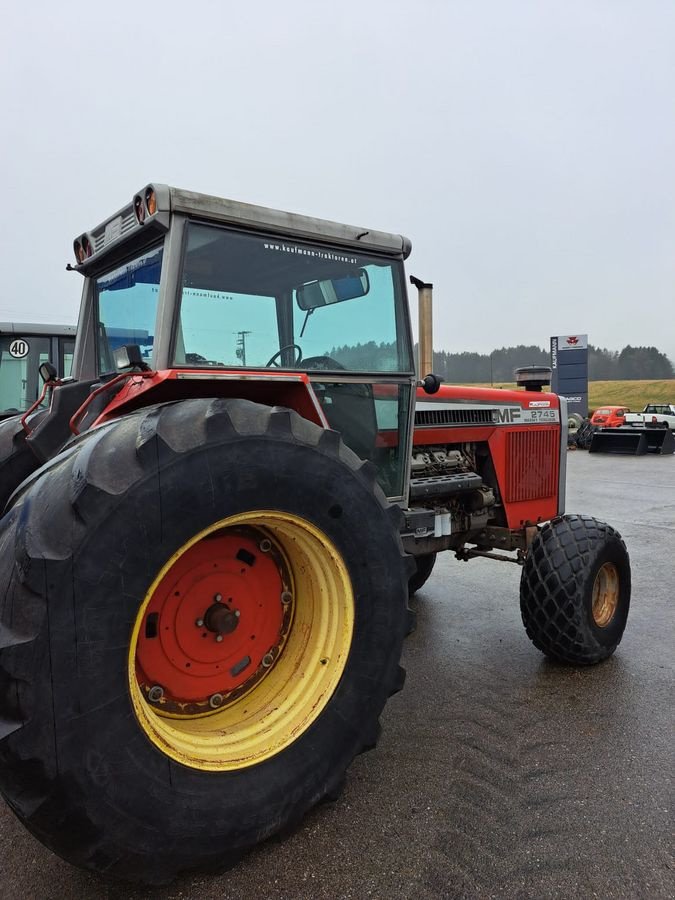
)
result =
(19, 348)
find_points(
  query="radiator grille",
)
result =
(455, 417)
(532, 464)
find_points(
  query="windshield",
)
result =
(252, 302)
(127, 307)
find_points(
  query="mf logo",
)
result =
(573, 340)
(508, 414)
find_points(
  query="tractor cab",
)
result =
(224, 298)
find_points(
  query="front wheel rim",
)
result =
(605, 598)
(296, 580)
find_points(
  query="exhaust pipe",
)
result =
(425, 363)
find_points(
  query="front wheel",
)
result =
(424, 566)
(575, 590)
(226, 594)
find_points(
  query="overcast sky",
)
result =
(527, 148)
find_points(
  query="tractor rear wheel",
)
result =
(205, 608)
(17, 460)
(575, 590)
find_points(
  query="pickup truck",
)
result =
(653, 414)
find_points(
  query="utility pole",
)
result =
(241, 345)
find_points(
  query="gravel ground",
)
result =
(498, 774)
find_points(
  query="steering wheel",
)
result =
(321, 362)
(272, 361)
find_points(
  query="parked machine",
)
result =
(633, 440)
(23, 347)
(205, 584)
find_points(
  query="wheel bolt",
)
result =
(155, 693)
(286, 597)
(219, 638)
(218, 598)
(199, 623)
(215, 700)
(265, 545)
(267, 660)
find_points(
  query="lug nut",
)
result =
(155, 693)
(199, 623)
(218, 598)
(219, 638)
(286, 596)
(215, 700)
(265, 545)
(267, 660)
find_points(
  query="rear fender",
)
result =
(290, 390)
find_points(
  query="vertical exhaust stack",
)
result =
(426, 340)
(428, 380)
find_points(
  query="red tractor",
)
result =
(211, 531)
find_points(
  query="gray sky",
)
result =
(526, 148)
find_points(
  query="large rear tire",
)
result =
(204, 609)
(575, 590)
(17, 460)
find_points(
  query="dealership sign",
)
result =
(569, 362)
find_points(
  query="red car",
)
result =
(609, 416)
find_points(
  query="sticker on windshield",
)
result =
(332, 255)
(19, 348)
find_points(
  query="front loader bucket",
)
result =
(629, 441)
(659, 440)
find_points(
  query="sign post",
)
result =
(569, 364)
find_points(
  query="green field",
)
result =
(633, 394)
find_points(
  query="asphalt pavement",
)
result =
(498, 773)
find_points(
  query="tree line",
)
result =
(629, 364)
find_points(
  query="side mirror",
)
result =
(314, 294)
(47, 372)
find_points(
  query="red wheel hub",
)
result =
(215, 623)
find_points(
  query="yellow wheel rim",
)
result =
(269, 711)
(605, 595)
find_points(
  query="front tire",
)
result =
(575, 590)
(424, 566)
(226, 595)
